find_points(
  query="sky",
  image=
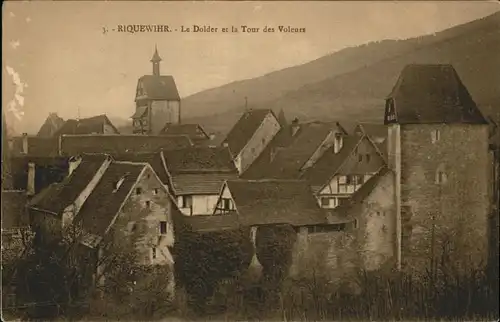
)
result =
(56, 56)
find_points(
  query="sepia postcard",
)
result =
(250, 160)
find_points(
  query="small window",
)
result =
(435, 136)
(356, 224)
(367, 157)
(138, 191)
(153, 252)
(325, 201)
(147, 203)
(342, 179)
(440, 177)
(348, 180)
(227, 204)
(187, 201)
(163, 227)
(360, 157)
(156, 191)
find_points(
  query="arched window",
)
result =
(441, 177)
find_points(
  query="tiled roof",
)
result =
(50, 126)
(193, 131)
(329, 164)
(433, 94)
(58, 196)
(212, 222)
(289, 161)
(200, 183)
(159, 87)
(139, 112)
(37, 146)
(260, 167)
(244, 129)
(13, 209)
(154, 159)
(120, 144)
(263, 202)
(199, 159)
(363, 192)
(89, 125)
(103, 204)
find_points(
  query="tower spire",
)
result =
(156, 59)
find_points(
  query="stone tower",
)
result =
(438, 148)
(157, 101)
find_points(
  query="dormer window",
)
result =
(337, 143)
(441, 177)
(118, 184)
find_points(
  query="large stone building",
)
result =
(157, 101)
(114, 204)
(438, 149)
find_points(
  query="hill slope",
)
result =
(352, 83)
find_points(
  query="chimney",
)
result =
(295, 126)
(30, 189)
(25, 143)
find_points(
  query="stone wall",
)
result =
(327, 253)
(140, 219)
(444, 215)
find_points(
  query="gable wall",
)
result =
(353, 166)
(226, 194)
(135, 213)
(257, 143)
(202, 205)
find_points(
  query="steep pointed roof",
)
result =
(157, 88)
(431, 93)
(90, 125)
(156, 57)
(51, 125)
